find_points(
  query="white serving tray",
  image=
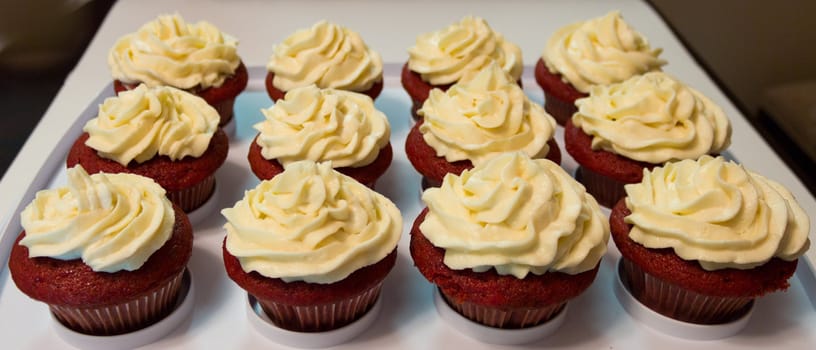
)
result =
(408, 320)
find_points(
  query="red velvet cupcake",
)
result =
(302, 285)
(493, 262)
(600, 51)
(323, 125)
(328, 56)
(475, 120)
(683, 234)
(434, 168)
(603, 173)
(197, 58)
(419, 90)
(127, 283)
(276, 94)
(559, 96)
(622, 129)
(440, 59)
(163, 133)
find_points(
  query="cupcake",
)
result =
(440, 59)
(326, 55)
(475, 120)
(622, 129)
(312, 246)
(323, 125)
(163, 133)
(509, 242)
(168, 51)
(701, 239)
(106, 252)
(600, 51)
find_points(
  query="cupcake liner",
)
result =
(205, 210)
(224, 109)
(429, 183)
(607, 191)
(514, 318)
(182, 307)
(415, 106)
(189, 199)
(667, 325)
(497, 336)
(310, 340)
(559, 109)
(678, 303)
(320, 318)
(124, 317)
(371, 184)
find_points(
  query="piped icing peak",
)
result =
(653, 118)
(326, 55)
(311, 223)
(602, 50)
(516, 215)
(483, 116)
(717, 213)
(113, 222)
(142, 123)
(461, 49)
(170, 51)
(323, 125)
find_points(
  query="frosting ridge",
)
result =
(327, 55)
(517, 215)
(602, 50)
(483, 116)
(141, 123)
(113, 222)
(170, 51)
(653, 118)
(323, 125)
(718, 213)
(311, 224)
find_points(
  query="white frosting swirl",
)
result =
(312, 224)
(113, 222)
(461, 49)
(603, 51)
(139, 124)
(323, 125)
(518, 216)
(170, 51)
(478, 118)
(653, 118)
(717, 213)
(327, 55)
